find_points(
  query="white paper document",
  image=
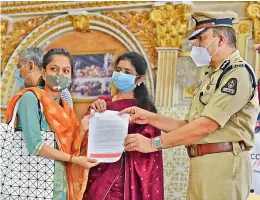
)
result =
(107, 132)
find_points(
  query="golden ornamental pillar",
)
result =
(167, 60)
(253, 12)
(171, 25)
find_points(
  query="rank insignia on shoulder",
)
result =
(230, 87)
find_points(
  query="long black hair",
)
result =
(47, 58)
(140, 92)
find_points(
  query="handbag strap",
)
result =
(12, 121)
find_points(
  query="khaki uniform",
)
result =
(226, 175)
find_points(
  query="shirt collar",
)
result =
(233, 58)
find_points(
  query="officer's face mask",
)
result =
(18, 79)
(124, 82)
(200, 55)
(57, 82)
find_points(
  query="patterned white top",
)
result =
(65, 94)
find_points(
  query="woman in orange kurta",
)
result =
(70, 140)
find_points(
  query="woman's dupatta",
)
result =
(65, 125)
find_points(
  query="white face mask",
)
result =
(201, 56)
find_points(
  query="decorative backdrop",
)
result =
(157, 32)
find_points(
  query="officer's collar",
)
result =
(232, 58)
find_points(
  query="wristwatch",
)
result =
(157, 142)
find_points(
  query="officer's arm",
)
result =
(232, 95)
(166, 124)
(141, 116)
(189, 133)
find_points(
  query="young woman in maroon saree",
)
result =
(136, 176)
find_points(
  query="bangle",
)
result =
(71, 156)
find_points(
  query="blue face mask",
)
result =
(18, 78)
(124, 82)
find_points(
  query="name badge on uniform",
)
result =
(230, 87)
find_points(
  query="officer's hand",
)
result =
(138, 115)
(257, 47)
(138, 142)
(99, 105)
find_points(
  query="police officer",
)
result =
(218, 130)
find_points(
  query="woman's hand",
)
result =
(85, 122)
(99, 105)
(85, 162)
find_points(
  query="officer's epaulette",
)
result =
(226, 63)
(240, 63)
(226, 66)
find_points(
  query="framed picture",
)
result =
(92, 75)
